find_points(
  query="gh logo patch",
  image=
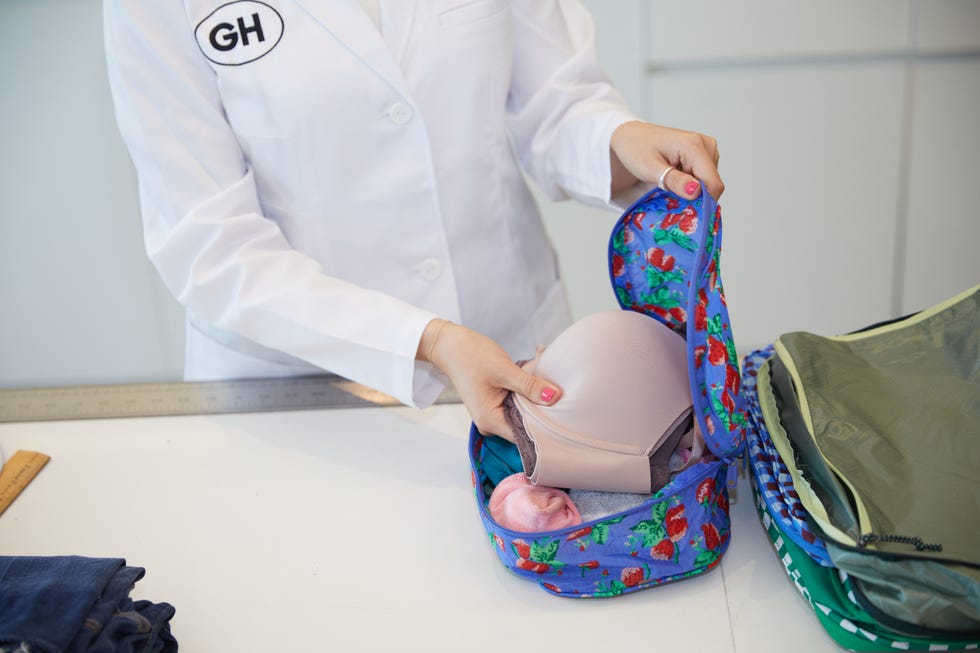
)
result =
(239, 32)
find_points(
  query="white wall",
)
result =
(850, 147)
(849, 140)
(80, 302)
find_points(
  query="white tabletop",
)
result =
(353, 530)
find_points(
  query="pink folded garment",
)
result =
(519, 505)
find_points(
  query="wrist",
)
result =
(620, 176)
(429, 339)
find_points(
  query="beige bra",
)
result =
(625, 406)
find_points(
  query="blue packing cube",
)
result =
(663, 262)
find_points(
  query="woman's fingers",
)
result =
(534, 389)
(482, 373)
(647, 151)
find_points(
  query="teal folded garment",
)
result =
(500, 459)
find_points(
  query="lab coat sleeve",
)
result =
(562, 108)
(203, 224)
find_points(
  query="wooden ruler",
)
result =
(211, 397)
(17, 472)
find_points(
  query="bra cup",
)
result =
(624, 382)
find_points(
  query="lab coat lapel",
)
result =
(350, 26)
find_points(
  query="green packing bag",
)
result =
(881, 432)
(829, 593)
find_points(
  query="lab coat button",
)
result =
(400, 113)
(430, 269)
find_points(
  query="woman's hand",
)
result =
(642, 151)
(482, 373)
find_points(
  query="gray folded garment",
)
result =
(593, 504)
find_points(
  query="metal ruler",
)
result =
(17, 472)
(199, 398)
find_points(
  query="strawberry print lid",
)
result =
(664, 262)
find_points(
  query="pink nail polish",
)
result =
(691, 187)
(547, 394)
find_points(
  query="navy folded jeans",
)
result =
(74, 604)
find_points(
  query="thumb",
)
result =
(534, 389)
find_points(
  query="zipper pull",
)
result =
(732, 478)
(731, 481)
(913, 540)
(866, 539)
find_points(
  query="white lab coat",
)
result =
(314, 191)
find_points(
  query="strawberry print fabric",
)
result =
(663, 262)
(682, 531)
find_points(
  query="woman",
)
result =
(333, 185)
